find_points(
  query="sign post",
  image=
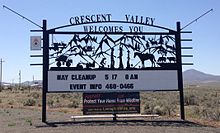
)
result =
(180, 76)
(45, 69)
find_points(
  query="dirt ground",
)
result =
(29, 120)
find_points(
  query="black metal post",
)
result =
(180, 75)
(114, 117)
(45, 70)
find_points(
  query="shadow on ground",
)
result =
(170, 123)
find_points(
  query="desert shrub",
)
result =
(208, 108)
(74, 103)
(66, 96)
(63, 111)
(29, 121)
(190, 99)
(211, 114)
(11, 102)
(50, 102)
(35, 95)
(169, 108)
(215, 94)
(196, 111)
(159, 103)
(160, 110)
(148, 108)
(211, 109)
(57, 100)
(63, 95)
(11, 124)
(29, 102)
(215, 114)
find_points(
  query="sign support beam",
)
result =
(180, 75)
(45, 69)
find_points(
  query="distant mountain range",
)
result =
(195, 77)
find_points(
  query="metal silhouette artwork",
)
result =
(128, 60)
(120, 58)
(112, 58)
(99, 52)
(144, 57)
(63, 59)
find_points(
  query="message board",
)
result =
(114, 80)
(110, 103)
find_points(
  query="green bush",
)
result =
(29, 102)
(29, 121)
(50, 102)
(211, 109)
(148, 108)
(11, 124)
(160, 110)
(66, 96)
(35, 95)
(169, 108)
(11, 102)
(159, 103)
(74, 104)
(215, 115)
(190, 99)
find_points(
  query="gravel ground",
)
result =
(29, 121)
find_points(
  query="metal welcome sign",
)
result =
(98, 54)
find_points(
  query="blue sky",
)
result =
(15, 31)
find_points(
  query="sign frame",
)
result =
(112, 80)
(111, 103)
(46, 47)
